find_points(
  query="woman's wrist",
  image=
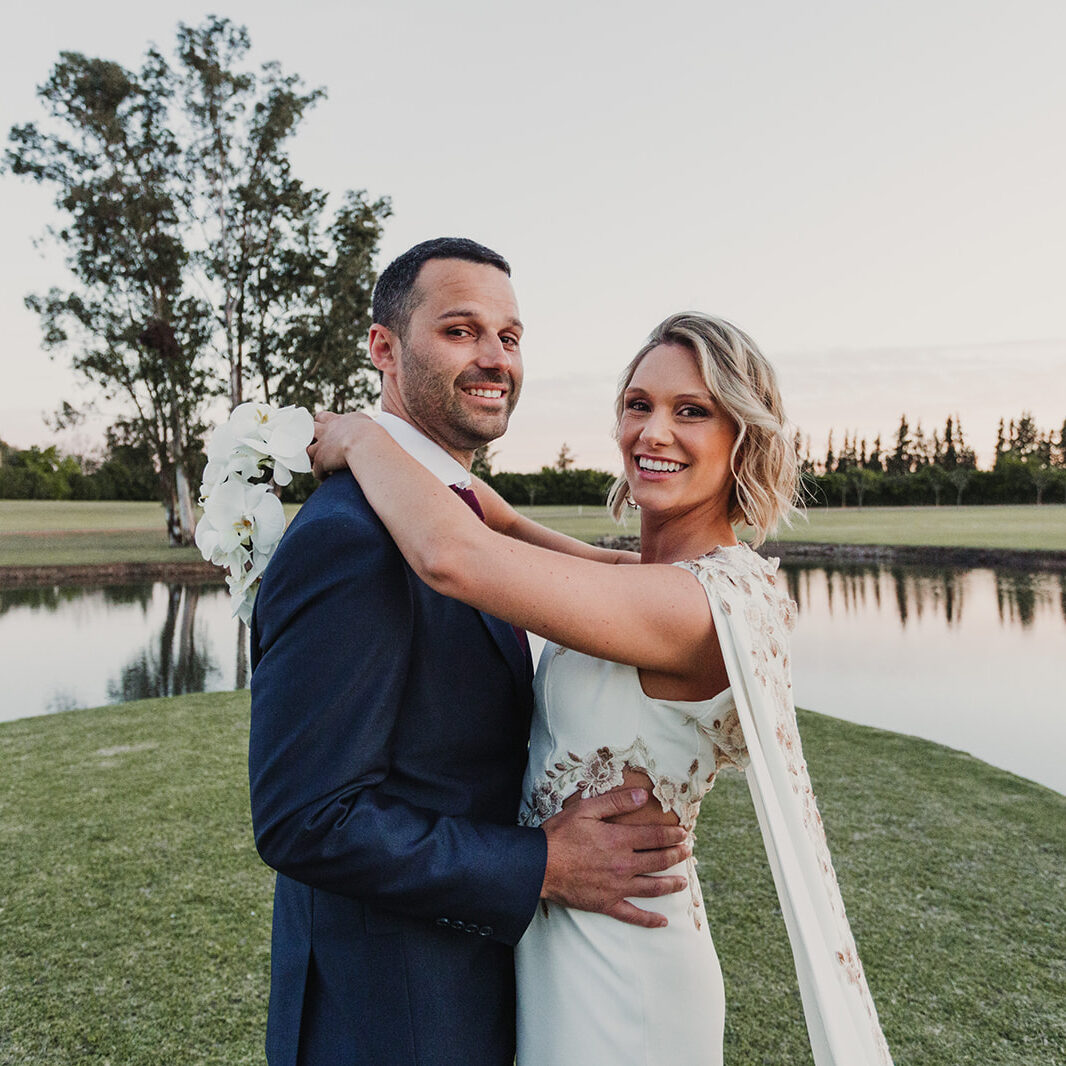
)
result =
(362, 435)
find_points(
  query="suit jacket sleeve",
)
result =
(331, 641)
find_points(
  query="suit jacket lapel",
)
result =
(517, 658)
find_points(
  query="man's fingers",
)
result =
(617, 801)
(627, 912)
(652, 837)
(653, 862)
(650, 887)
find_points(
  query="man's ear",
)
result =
(384, 346)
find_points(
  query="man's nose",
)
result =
(493, 353)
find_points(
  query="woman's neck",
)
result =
(671, 540)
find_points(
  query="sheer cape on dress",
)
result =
(753, 615)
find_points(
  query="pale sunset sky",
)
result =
(874, 191)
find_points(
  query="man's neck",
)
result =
(389, 406)
(437, 460)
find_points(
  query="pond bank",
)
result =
(194, 571)
(888, 554)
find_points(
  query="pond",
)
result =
(970, 658)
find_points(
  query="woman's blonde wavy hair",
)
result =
(744, 384)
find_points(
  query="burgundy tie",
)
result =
(469, 497)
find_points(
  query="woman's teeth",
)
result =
(659, 465)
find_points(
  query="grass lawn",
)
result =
(1010, 526)
(135, 914)
(84, 533)
(56, 533)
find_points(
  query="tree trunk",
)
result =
(186, 514)
(241, 678)
(170, 505)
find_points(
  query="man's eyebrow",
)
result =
(469, 312)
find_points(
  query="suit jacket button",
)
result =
(485, 930)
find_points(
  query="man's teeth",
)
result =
(491, 394)
(659, 465)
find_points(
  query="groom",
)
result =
(390, 726)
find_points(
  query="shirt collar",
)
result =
(429, 453)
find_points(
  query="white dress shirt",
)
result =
(428, 452)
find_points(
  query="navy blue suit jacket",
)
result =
(388, 740)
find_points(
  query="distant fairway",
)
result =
(1016, 526)
(87, 533)
(67, 533)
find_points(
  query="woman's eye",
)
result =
(692, 411)
(636, 405)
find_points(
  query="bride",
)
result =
(658, 676)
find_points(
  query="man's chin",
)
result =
(483, 431)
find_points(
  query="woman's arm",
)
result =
(654, 617)
(503, 518)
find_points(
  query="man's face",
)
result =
(457, 371)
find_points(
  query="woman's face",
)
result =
(675, 439)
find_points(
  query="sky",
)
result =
(874, 191)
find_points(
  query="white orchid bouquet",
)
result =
(243, 519)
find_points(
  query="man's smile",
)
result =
(488, 392)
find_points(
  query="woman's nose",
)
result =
(657, 429)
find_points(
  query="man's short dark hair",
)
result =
(395, 297)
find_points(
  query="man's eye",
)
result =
(510, 341)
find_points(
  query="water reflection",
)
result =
(917, 591)
(968, 658)
(172, 663)
(71, 647)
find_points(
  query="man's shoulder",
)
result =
(339, 496)
(336, 515)
(338, 502)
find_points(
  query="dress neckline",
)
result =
(708, 702)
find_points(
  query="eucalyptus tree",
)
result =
(201, 267)
(130, 322)
(291, 300)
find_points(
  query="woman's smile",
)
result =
(650, 466)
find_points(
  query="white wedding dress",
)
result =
(593, 990)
